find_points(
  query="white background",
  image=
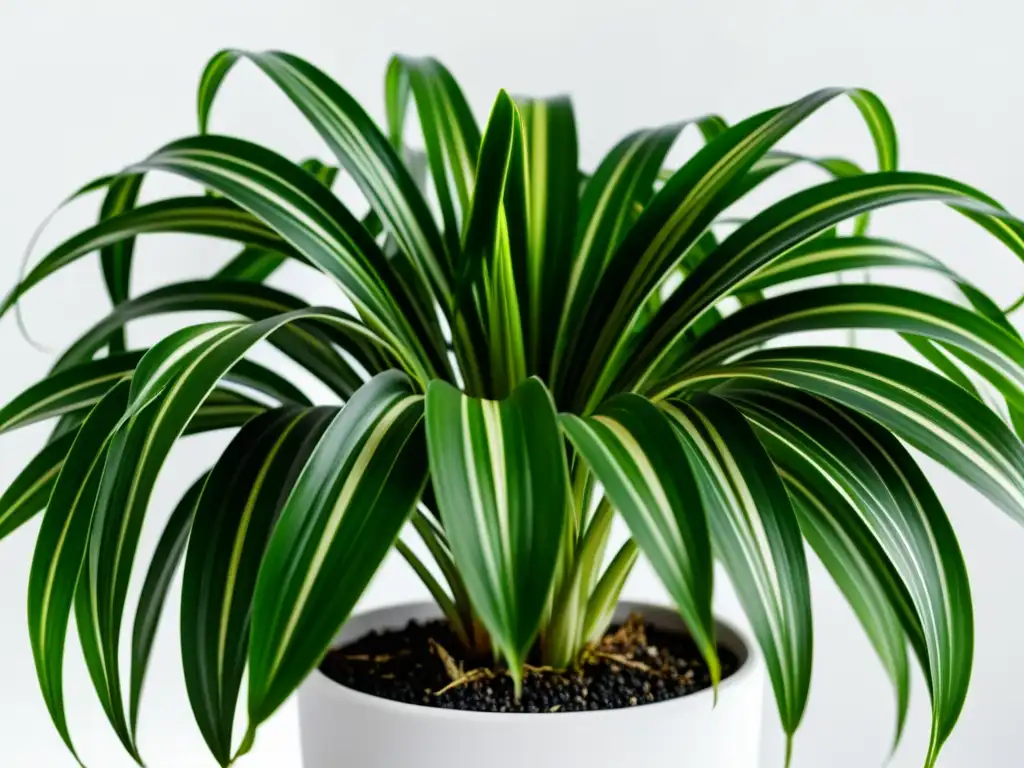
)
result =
(86, 87)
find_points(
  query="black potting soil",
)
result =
(636, 664)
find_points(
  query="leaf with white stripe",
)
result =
(501, 482)
(757, 537)
(357, 490)
(234, 517)
(211, 217)
(450, 134)
(254, 264)
(552, 159)
(29, 492)
(169, 386)
(311, 345)
(788, 224)
(673, 221)
(162, 566)
(934, 415)
(644, 466)
(315, 223)
(607, 209)
(61, 547)
(116, 259)
(362, 150)
(883, 486)
(863, 306)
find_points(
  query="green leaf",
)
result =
(345, 512)
(254, 264)
(672, 222)
(60, 549)
(500, 477)
(73, 389)
(783, 226)
(360, 148)
(644, 466)
(605, 597)
(494, 244)
(116, 259)
(168, 553)
(310, 345)
(819, 512)
(169, 386)
(862, 306)
(757, 537)
(450, 134)
(315, 223)
(552, 152)
(624, 179)
(207, 216)
(931, 413)
(866, 464)
(234, 518)
(29, 493)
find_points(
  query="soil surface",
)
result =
(635, 664)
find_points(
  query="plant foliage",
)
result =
(529, 349)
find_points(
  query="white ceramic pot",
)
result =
(343, 728)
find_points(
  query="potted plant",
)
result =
(531, 350)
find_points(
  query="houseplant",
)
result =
(550, 349)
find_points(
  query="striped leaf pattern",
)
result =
(212, 217)
(234, 517)
(785, 225)
(934, 415)
(644, 466)
(358, 488)
(61, 548)
(501, 482)
(888, 493)
(536, 348)
(757, 536)
(116, 259)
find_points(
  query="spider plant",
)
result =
(526, 350)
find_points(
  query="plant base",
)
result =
(341, 726)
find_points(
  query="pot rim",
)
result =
(728, 634)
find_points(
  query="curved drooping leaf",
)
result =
(168, 387)
(757, 537)
(501, 482)
(213, 217)
(819, 511)
(254, 264)
(862, 306)
(360, 148)
(61, 547)
(166, 557)
(81, 386)
(783, 226)
(644, 467)
(934, 415)
(116, 259)
(310, 345)
(892, 499)
(607, 209)
(357, 490)
(30, 491)
(316, 224)
(673, 221)
(450, 134)
(234, 517)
